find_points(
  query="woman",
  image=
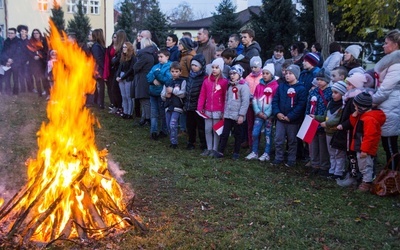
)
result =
(37, 47)
(111, 64)
(125, 79)
(172, 46)
(143, 65)
(98, 52)
(388, 92)
(350, 58)
(185, 47)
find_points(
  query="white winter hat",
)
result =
(270, 68)
(354, 50)
(357, 80)
(219, 62)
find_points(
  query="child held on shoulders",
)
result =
(262, 106)
(288, 106)
(329, 121)
(367, 123)
(236, 105)
(318, 100)
(211, 103)
(157, 77)
(173, 93)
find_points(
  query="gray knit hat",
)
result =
(187, 43)
(255, 61)
(354, 50)
(339, 87)
(363, 101)
(294, 69)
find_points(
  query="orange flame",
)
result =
(69, 180)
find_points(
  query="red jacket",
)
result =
(212, 94)
(367, 131)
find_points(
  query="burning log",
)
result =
(70, 192)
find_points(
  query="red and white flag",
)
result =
(202, 114)
(308, 129)
(218, 127)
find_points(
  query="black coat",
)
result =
(143, 65)
(98, 53)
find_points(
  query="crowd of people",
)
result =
(201, 89)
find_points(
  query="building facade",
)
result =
(36, 14)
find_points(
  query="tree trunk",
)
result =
(324, 33)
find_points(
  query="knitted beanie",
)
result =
(294, 69)
(323, 75)
(339, 87)
(198, 60)
(270, 68)
(219, 62)
(312, 58)
(187, 43)
(237, 69)
(255, 61)
(354, 50)
(363, 101)
(357, 80)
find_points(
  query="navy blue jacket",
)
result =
(282, 103)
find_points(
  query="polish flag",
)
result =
(202, 114)
(308, 129)
(218, 127)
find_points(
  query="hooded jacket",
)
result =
(194, 83)
(387, 95)
(237, 100)
(252, 50)
(367, 131)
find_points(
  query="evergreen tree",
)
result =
(157, 23)
(225, 21)
(306, 19)
(141, 10)
(275, 24)
(80, 24)
(57, 16)
(126, 19)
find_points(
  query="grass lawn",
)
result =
(192, 202)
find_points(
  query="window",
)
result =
(94, 6)
(1, 4)
(43, 4)
(72, 5)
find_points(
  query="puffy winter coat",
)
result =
(262, 99)
(388, 94)
(237, 100)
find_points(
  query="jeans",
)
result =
(258, 125)
(157, 112)
(127, 102)
(7, 79)
(172, 123)
(182, 121)
(286, 131)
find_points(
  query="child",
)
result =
(211, 103)
(288, 106)
(173, 93)
(366, 135)
(342, 137)
(262, 106)
(157, 77)
(329, 121)
(252, 79)
(194, 122)
(338, 74)
(318, 100)
(236, 104)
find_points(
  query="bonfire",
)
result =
(70, 192)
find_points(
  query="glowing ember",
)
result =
(70, 192)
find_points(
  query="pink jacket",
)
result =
(212, 94)
(253, 81)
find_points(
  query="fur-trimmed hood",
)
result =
(387, 61)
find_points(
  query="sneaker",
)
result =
(276, 162)
(113, 110)
(264, 157)
(235, 156)
(365, 186)
(206, 152)
(347, 181)
(252, 156)
(290, 164)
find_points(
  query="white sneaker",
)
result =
(252, 156)
(264, 157)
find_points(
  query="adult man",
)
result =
(251, 47)
(204, 45)
(234, 43)
(10, 57)
(25, 75)
(147, 34)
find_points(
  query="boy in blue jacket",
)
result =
(288, 106)
(157, 77)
